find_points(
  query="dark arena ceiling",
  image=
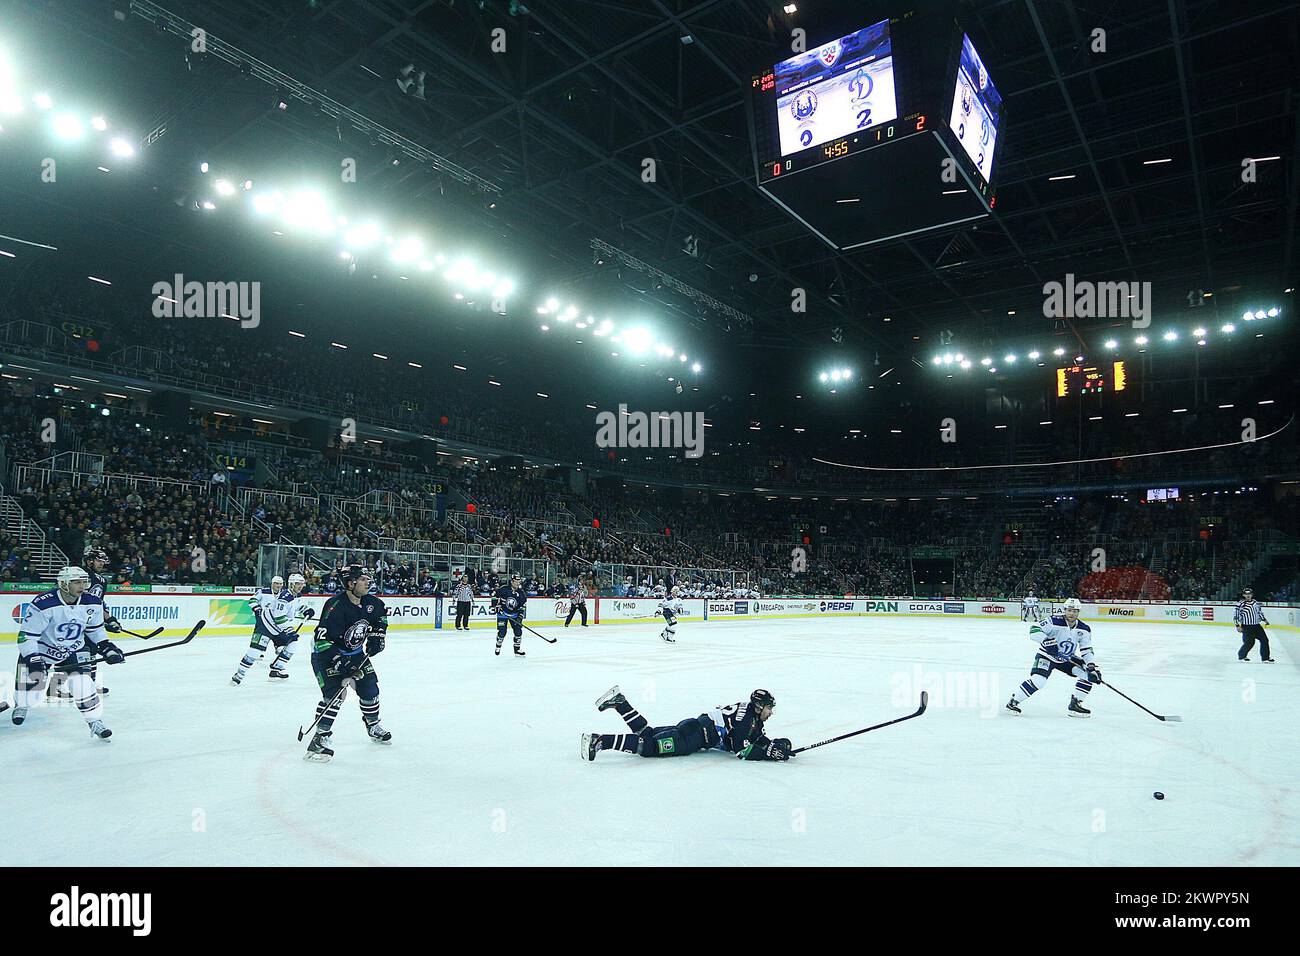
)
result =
(1117, 165)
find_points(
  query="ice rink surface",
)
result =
(484, 768)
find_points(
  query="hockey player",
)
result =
(96, 560)
(1029, 607)
(274, 620)
(670, 607)
(64, 629)
(1065, 645)
(352, 629)
(510, 602)
(734, 729)
(577, 602)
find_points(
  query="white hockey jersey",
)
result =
(276, 613)
(54, 629)
(671, 607)
(1030, 603)
(1070, 641)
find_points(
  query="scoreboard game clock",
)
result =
(1091, 379)
(890, 130)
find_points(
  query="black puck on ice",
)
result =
(1158, 795)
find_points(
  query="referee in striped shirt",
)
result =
(1249, 618)
(464, 596)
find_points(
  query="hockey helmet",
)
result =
(762, 698)
(72, 573)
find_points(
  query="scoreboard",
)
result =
(829, 97)
(1091, 379)
(890, 130)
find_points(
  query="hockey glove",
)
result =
(111, 625)
(374, 643)
(778, 749)
(112, 653)
(1094, 674)
(308, 613)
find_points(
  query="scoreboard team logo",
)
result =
(803, 105)
(829, 53)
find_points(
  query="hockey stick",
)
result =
(144, 637)
(343, 689)
(519, 621)
(1171, 717)
(925, 700)
(157, 647)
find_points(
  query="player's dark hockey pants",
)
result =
(462, 614)
(515, 626)
(577, 608)
(1250, 633)
(687, 737)
(331, 678)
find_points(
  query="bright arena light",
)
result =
(68, 127)
(120, 147)
(1199, 333)
(223, 188)
(1058, 352)
(986, 361)
(695, 367)
(1111, 344)
(1170, 336)
(43, 101)
(823, 377)
(1229, 328)
(1141, 340)
(637, 339)
(267, 203)
(1271, 313)
(362, 236)
(99, 123)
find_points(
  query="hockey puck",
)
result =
(1158, 795)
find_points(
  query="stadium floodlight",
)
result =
(1009, 359)
(637, 340)
(203, 167)
(267, 203)
(1111, 344)
(836, 375)
(362, 236)
(848, 374)
(1170, 336)
(823, 377)
(1034, 355)
(966, 364)
(1141, 340)
(43, 100)
(1248, 315)
(681, 357)
(986, 361)
(937, 360)
(306, 210)
(11, 103)
(1271, 313)
(1228, 328)
(696, 367)
(209, 205)
(67, 127)
(552, 303)
(223, 188)
(503, 289)
(408, 249)
(120, 147)
(99, 123)
(1199, 332)
(1058, 352)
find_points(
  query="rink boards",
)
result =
(231, 614)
